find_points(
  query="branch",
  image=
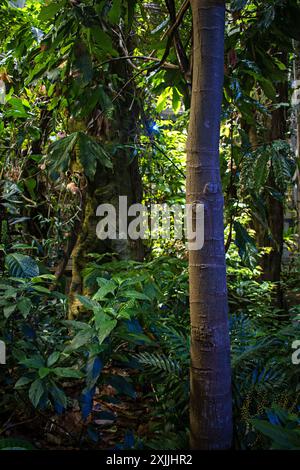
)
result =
(140, 57)
(182, 11)
(180, 51)
(170, 33)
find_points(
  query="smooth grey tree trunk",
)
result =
(210, 378)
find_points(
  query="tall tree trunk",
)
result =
(271, 262)
(124, 180)
(210, 377)
(273, 236)
(296, 103)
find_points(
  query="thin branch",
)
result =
(182, 11)
(154, 144)
(166, 65)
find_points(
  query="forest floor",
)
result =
(113, 417)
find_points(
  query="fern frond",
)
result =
(159, 362)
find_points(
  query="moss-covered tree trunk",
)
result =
(123, 180)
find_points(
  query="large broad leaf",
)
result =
(132, 294)
(53, 358)
(115, 11)
(93, 370)
(86, 401)
(261, 170)
(15, 444)
(17, 108)
(24, 306)
(245, 243)
(91, 153)
(82, 338)
(49, 11)
(67, 372)
(34, 362)
(22, 266)
(83, 63)
(86, 302)
(105, 325)
(107, 286)
(60, 153)
(59, 397)
(122, 385)
(36, 392)
(102, 41)
(23, 381)
(282, 437)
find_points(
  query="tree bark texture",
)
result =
(273, 237)
(108, 185)
(210, 377)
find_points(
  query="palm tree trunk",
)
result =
(210, 378)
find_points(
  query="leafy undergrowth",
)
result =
(117, 376)
(114, 421)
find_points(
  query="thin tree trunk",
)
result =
(273, 236)
(296, 103)
(210, 378)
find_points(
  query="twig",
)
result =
(166, 65)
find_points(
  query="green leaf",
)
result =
(84, 63)
(91, 153)
(77, 325)
(58, 395)
(67, 372)
(162, 100)
(86, 302)
(6, 443)
(59, 154)
(48, 277)
(36, 392)
(285, 438)
(261, 170)
(31, 185)
(268, 88)
(49, 11)
(24, 306)
(53, 358)
(104, 324)
(107, 286)
(22, 266)
(35, 362)
(102, 40)
(8, 310)
(132, 294)
(82, 338)
(44, 371)
(115, 11)
(17, 109)
(41, 289)
(245, 243)
(176, 100)
(23, 381)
